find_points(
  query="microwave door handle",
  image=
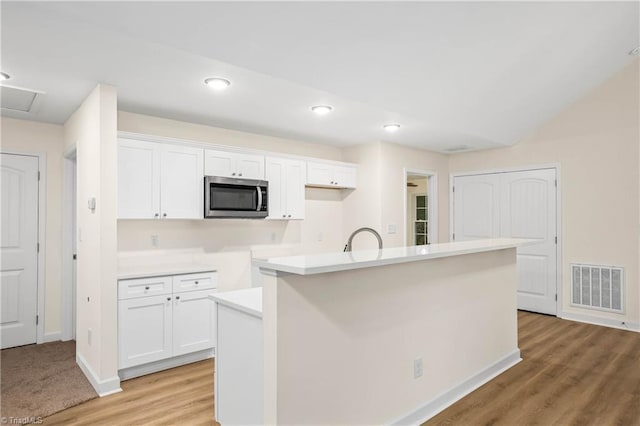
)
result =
(259, 198)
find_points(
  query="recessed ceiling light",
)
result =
(4, 76)
(322, 109)
(217, 83)
(635, 51)
(391, 127)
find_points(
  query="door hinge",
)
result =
(454, 236)
(38, 175)
(556, 297)
(555, 182)
(556, 240)
(37, 319)
(38, 247)
(75, 256)
(453, 188)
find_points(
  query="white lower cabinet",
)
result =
(158, 327)
(193, 322)
(144, 330)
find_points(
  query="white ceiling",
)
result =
(477, 74)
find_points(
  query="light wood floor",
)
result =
(571, 374)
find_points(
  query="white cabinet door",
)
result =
(144, 330)
(250, 166)
(138, 179)
(219, 163)
(230, 164)
(294, 183)
(275, 173)
(344, 176)
(193, 322)
(182, 182)
(286, 188)
(319, 174)
(332, 175)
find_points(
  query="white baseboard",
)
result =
(164, 364)
(102, 387)
(52, 337)
(429, 409)
(607, 322)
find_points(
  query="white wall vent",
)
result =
(597, 287)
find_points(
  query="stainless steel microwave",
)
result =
(235, 198)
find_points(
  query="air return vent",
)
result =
(17, 99)
(597, 287)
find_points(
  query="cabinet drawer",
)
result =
(201, 281)
(141, 287)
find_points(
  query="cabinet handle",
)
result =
(168, 298)
(239, 174)
(289, 216)
(177, 297)
(146, 287)
(157, 215)
(233, 174)
(331, 182)
(335, 183)
(164, 215)
(196, 282)
(284, 215)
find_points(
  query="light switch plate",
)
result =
(391, 228)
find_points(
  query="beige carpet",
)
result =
(39, 380)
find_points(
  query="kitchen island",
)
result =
(388, 336)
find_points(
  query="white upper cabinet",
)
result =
(286, 188)
(331, 175)
(159, 181)
(138, 179)
(232, 164)
(182, 182)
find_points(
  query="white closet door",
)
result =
(528, 210)
(476, 207)
(514, 205)
(19, 235)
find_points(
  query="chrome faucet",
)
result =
(348, 247)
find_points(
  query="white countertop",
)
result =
(332, 262)
(247, 300)
(141, 271)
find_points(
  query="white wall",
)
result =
(92, 129)
(31, 137)
(379, 200)
(596, 143)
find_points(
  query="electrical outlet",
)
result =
(89, 336)
(418, 368)
(391, 228)
(320, 236)
(155, 241)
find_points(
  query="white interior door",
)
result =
(515, 205)
(19, 237)
(476, 207)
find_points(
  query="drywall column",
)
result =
(93, 131)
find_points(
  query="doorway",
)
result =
(420, 207)
(515, 204)
(21, 292)
(69, 246)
